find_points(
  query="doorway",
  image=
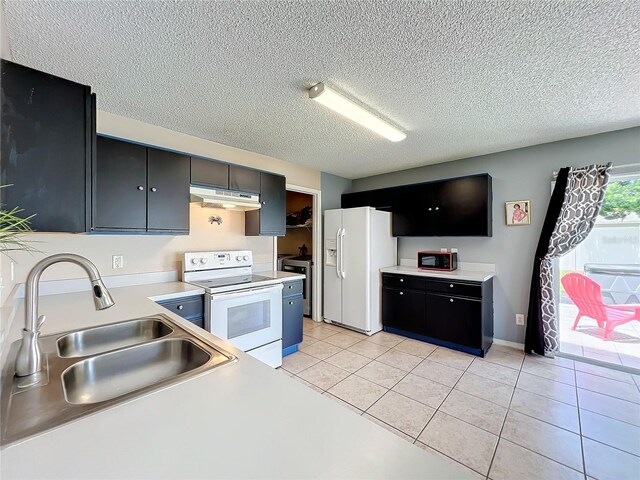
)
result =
(299, 251)
(606, 290)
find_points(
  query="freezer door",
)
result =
(354, 248)
(332, 308)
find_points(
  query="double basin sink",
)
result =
(91, 369)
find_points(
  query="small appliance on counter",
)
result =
(242, 308)
(444, 261)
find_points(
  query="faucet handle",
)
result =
(41, 320)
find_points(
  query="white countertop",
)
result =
(469, 275)
(242, 420)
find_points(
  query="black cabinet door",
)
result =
(418, 211)
(120, 186)
(271, 218)
(404, 309)
(244, 179)
(209, 173)
(273, 196)
(466, 204)
(292, 319)
(454, 319)
(47, 146)
(168, 176)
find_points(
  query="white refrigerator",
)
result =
(357, 244)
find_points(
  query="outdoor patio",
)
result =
(586, 340)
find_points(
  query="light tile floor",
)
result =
(507, 416)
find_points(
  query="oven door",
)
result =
(247, 318)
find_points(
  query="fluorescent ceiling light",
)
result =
(345, 107)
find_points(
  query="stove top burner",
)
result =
(227, 281)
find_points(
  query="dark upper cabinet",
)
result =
(209, 173)
(168, 175)
(270, 219)
(455, 207)
(120, 186)
(140, 189)
(244, 179)
(48, 126)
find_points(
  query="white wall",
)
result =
(155, 253)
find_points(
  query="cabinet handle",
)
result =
(451, 285)
(401, 280)
(290, 287)
(140, 187)
(154, 189)
(430, 209)
(401, 293)
(437, 208)
(180, 307)
(451, 300)
(290, 303)
(264, 202)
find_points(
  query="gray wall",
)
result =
(332, 188)
(523, 174)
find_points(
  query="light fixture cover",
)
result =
(345, 107)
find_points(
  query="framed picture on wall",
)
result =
(518, 212)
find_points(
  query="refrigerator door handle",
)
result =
(338, 253)
(343, 274)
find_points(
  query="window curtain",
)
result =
(573, 209)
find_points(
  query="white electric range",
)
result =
(242, 308)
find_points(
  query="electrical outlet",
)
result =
(117, 261)
(443, 250)
(454, 250)
(519, 319)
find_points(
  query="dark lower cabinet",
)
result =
(404, 309)
(190, 308)
(168, 176)
(454, 319)
(48, 128)
(456, 314)
(292, 315)
(270, 219)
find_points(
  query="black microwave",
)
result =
(445, 261)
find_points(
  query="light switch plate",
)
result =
(519, 319)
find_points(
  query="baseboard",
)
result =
(506, 343)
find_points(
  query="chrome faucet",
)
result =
(29, 360)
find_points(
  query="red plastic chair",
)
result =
(587, 296)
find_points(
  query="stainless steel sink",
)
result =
(111, 337)
(113, 374)
(138, 356)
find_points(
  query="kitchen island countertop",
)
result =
(242, 420)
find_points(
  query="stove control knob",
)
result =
(194, 261)
(238, 258)
(246, 258)
(203, 260)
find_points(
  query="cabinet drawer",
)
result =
(292, 288)
(403, 281)
(455, 288)
(189, 308)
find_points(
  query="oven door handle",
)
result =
(247, 291)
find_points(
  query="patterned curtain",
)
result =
(574, 207)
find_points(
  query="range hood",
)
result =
(219, 198)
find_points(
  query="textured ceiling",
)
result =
(462, 78)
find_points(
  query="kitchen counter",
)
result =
(468, 275)
(242, 420)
